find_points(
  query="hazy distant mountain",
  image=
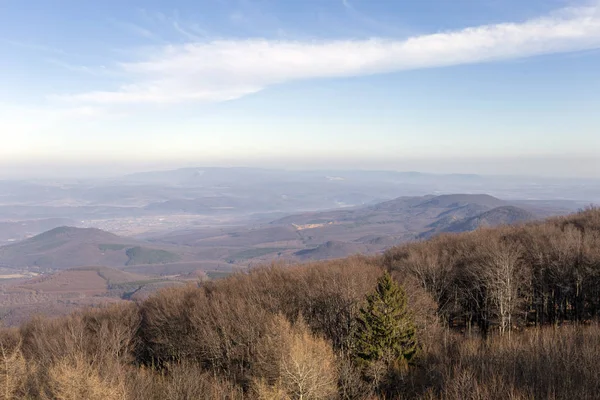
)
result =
(505, 215)
(150, 202)
(199, 176)
(422, 211)
(68, 247)
(308, 235)
(406, 218)
(338, 233)
(400, 204)
(461, 200)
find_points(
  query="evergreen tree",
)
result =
(385, 327)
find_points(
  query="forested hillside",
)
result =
(498, 313)
(510, 277)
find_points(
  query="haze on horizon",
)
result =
(583, 168)
(487, 87)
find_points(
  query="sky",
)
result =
(474, 86)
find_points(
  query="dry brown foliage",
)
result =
(542, 363)
(74, 378)
(507, 278)
(13, 369)
(285, 332)
(295, 363)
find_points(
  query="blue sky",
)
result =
(488, 86)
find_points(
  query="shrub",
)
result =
(13, 370)
(74, 378)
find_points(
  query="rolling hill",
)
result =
(462, 200)
(405, 216)
(346, 231)
(68, 247)
(506, 215)
(310, 235)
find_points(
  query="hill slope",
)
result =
(68, 247)
(342, 232)
(95, 280)
(403, 219)
(461, 200)
(332, 249)
(249, 324)
(506, 215)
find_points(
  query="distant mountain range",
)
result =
(304, 236)
(382, 225)
(369, 229)
(157, 202)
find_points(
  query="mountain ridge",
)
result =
(312, 235)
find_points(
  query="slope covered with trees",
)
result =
(493, 314)
(510, 277)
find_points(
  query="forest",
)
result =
(499, 313)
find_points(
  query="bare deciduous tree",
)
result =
(304, 365)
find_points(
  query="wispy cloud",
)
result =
(134, 28)
(189, 35)
(228, 69)
(33, 46)
(95, 71)
(172, 21)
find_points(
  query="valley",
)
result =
(66, 245)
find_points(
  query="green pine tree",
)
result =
(385, 327)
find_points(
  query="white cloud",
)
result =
(228, 69)
(135, 29)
